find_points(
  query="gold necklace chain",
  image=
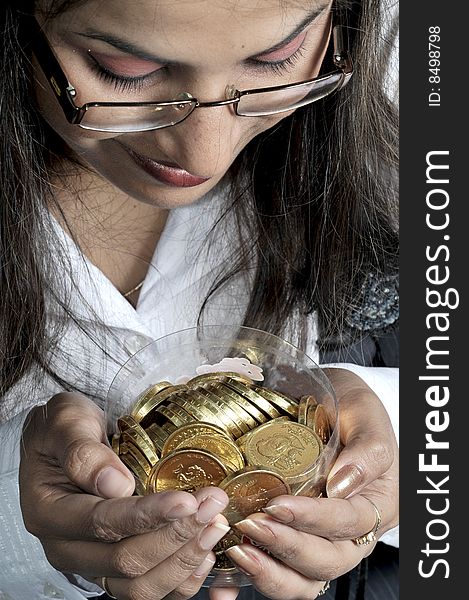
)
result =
(134, 289)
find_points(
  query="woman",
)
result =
(120, 224)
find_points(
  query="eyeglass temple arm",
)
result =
(341, 56)
(60, 85)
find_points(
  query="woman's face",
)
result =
(152, 50)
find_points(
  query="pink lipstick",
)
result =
(166, 173)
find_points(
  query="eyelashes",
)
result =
(279, 67)
(125, 83)
(120, 83)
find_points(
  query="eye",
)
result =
(125, 74)
(285, 51)
(281, 59)
(279, 67)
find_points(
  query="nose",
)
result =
(204, 144)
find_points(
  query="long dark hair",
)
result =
(315, 199)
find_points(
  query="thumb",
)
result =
(73, 433)
(222, 593)
(369, 448)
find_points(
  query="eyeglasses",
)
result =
(127, 117)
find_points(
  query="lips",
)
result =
(166, 173)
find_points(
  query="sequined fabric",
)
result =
(377, 304)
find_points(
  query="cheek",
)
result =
(266, 123)
(78, 139)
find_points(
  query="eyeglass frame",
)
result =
(65, 92)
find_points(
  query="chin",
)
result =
(174, 198)
(162, 196)
(124, 176)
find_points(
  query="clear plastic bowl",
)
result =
(284, 369)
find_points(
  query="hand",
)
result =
(75, 497)
(310, 539)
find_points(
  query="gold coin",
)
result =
(247, 411)
(181, 412)
(282, 419)
(194, 404)
(231, 538)
(129, 448)
(222, 396)
(140, 489)
(141, 478)
(157, 436)
(241, 442)
(288, 447)
(188, 431)
(255, 398)
(218, 376)
(187, 470)
(126, 422)
(168, 428)
(139, 437)
(138, 411)
(224, 413)
(219, 445)
(175, 414)
(148, 409)
(320, 424)
(306, 406)
(286, 404)
(250, 489)
(224, 565)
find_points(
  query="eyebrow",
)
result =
(130, 48)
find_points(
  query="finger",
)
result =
(138, 590)
(369, 444)
(331, 518)
(313, 556)
(70, 431)
(81, 516)
(138, 554)
(272, 578)
(194, 582)
(219, 593)
(179, 574)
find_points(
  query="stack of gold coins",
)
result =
(224, 430)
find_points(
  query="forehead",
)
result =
(250, 22)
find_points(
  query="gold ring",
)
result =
(105, 587)
(324, 589)
(369, 537)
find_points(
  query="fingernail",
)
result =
(254, 529)
(345, 481)
(112, 483)
(279, 513)
(244, 561)
(212, 534)
(209, 509)
(205, 567)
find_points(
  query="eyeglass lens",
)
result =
(121, 119)
(265, 103)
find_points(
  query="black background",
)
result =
(423, 129)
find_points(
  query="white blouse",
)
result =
(179, 276)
